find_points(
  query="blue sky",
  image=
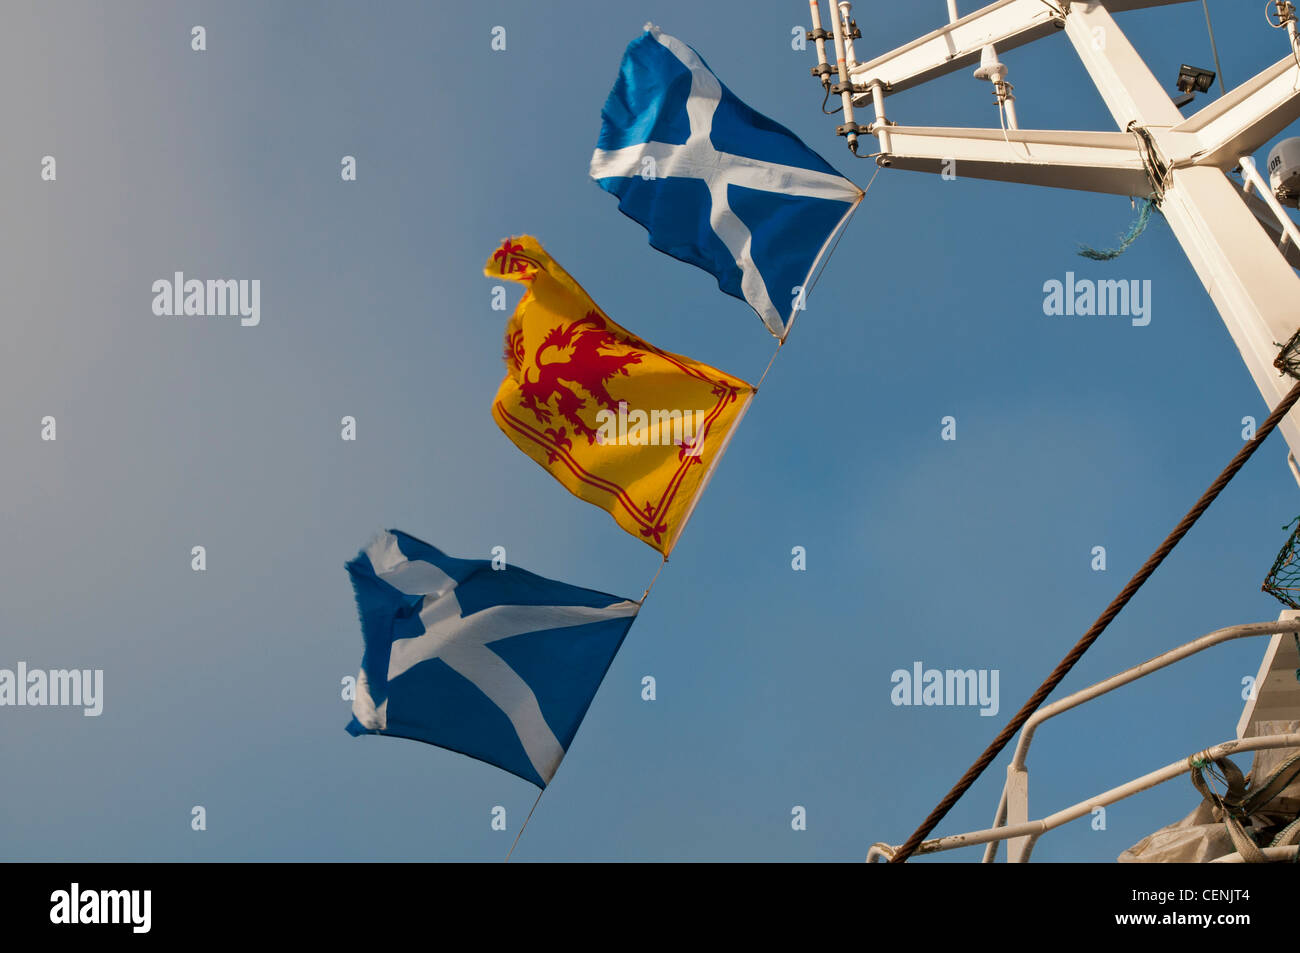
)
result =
(222, 687)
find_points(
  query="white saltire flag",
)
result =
(715, 183)
(498, 664)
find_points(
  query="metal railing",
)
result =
(1011, 821)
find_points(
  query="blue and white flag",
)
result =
(498, 664)
(715, 183)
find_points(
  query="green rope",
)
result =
(1128, 238)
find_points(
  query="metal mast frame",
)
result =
(1243, 246)
(1241, 242)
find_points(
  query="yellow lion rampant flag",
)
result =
(621, 424)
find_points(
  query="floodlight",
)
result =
(1193, 79)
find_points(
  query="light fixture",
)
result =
(1192, 80)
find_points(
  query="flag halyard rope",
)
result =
(524, 825)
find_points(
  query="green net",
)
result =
(1128, 238)
(1283, 582)
(1288, 362)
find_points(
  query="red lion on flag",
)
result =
(586, 367)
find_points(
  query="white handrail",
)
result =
(1217, 637)
(1035, 829)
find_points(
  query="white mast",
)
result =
(1244, 246)
(1182, 162)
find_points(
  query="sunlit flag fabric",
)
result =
(715, 183)
(499, 664)
(621, 424)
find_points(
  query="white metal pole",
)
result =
(881, 126)
(1254, 178)
(851, 57)
(1250, 281)
(846, 94)
(953, 16)
(815, 8)
(1012, 121)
